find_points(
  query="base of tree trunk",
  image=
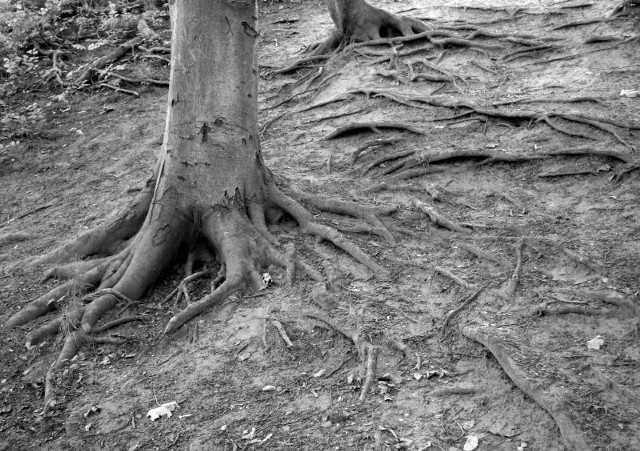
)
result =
(361, 22)
(235, 236)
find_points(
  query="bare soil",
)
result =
(529, 173)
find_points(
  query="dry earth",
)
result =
(517, 135)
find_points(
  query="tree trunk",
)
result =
(210, 191)
(211, 152)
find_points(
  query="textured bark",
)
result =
(358, 21)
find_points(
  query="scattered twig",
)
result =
(118, 89)
(283, 333)
(14, 237)
(446, 391)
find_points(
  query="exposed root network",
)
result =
(235, 235)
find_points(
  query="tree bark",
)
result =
(357, 21)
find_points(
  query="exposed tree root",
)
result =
(457, 310)
(86, 75)
(509, 290)
(385, 158)
(373, 144)
(373, 126)
(283, 333)
(107, 238)
(438, 219)
(449, 275)
(243, 246)
(528, 52)
(581, 54)
(607, 297)
(582, 260)
(52, 300)
(557, 408)
(369, 214)
(568, 172)
(623, 7)
(440, 101)
(627, 170)
(367, 351)
(14, 237)
(545, 310)
(475, 250)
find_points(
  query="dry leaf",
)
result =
(595, 343)
(471, 443)
(164, 410)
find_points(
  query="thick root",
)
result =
(557, 408)
(244, 249)
(369, 214)
(368, 352)
(108, 238)
(52, 299)
(307, 225)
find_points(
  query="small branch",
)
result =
(118, 89)
(283, 333)
(446, 391)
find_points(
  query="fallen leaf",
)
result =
(471, 443)
(595, 343)
(163, 410)
(246, 435)
(629, 93)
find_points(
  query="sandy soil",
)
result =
(518, 135)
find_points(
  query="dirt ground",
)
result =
(520, 136)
